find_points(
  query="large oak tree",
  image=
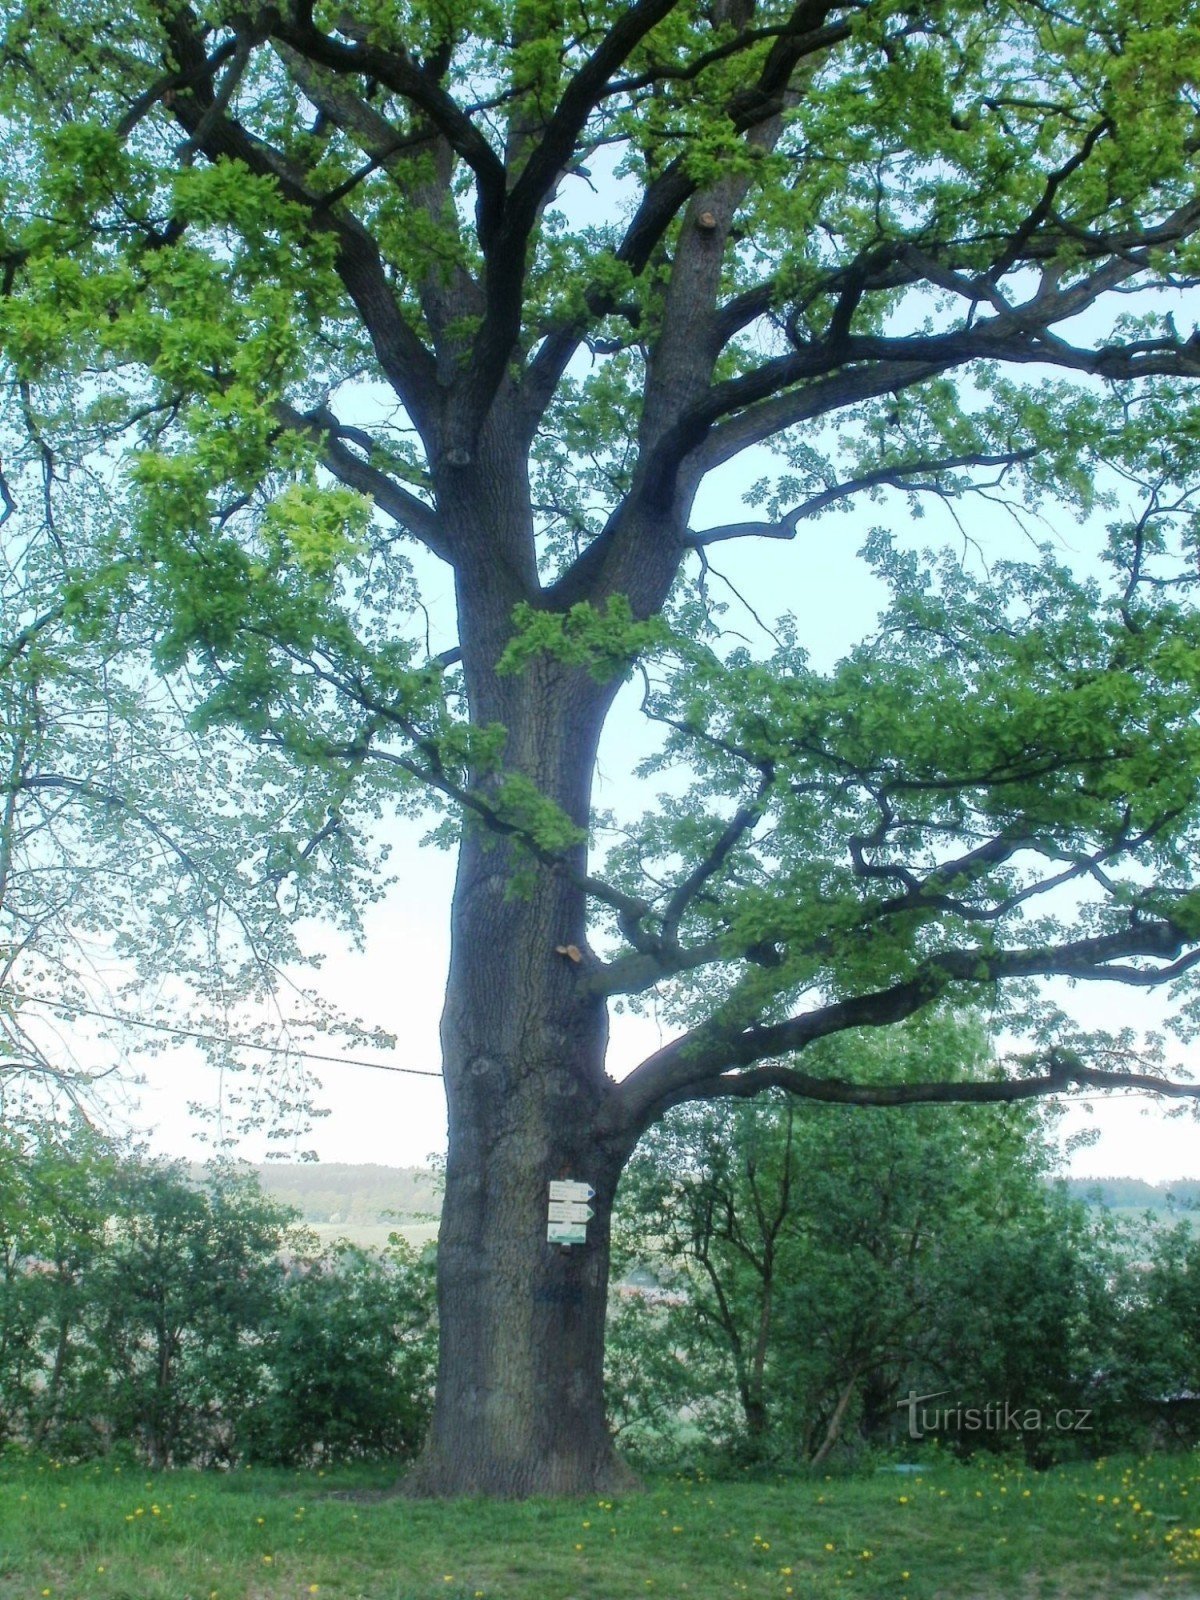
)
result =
(512, 282)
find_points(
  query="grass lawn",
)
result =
(1113, 1529)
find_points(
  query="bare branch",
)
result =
(896, 476)
(742, 823)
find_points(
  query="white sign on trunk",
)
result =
(569, 1189)
(566, 1232)
(568, 1211)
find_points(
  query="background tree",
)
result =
(53, 1210)
(824, 1262)
(338, 285)
(186, 1295)
(183, 1319)
(143, 870)
(1150, 1385)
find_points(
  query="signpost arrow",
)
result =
(570, 1211)
(569, 1189)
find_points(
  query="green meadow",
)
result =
(1120, 1528)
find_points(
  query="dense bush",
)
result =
(191, 1321)
(352, 1359)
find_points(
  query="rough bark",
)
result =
(520, 1381)
(520, 1395)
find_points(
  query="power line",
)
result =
(352, 1061)
(211, 1038)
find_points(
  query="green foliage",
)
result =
(820, 1262)
(185, 1296)
(183, 1320)
(1049, 719)
(1152, 1390)
(606, 642)
(352, 1360)
(848, 245)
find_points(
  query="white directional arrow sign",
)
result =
(569, 1189)
(570, 1211)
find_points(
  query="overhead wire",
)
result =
(68, 1008)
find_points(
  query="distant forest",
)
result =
(1135, 1194)
(342, 1192)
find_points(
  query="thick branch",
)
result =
(998, 1091)
(711, 1051)
(394, 69)
(447, 290)
(406, 363)
(579, 99)
(804, 34)
(742, 823)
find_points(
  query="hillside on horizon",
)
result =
(343, 1192)
(1137, 1194)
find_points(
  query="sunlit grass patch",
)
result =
(1087, 1532)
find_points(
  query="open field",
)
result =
(374, 1235)
(1117, 1529)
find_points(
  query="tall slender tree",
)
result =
(509, 285)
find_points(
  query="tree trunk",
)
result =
(520, 1394)
(834, 1430)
